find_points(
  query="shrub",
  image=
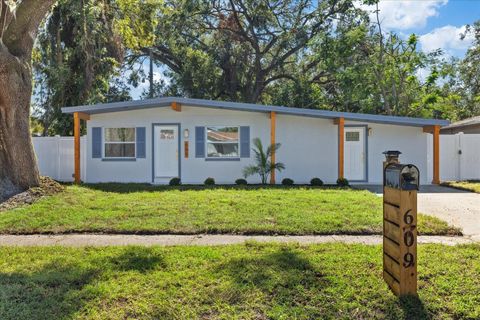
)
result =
(342, 182)
(241, 182)
(209, 182)
(175, 182)
(316, 182)
(287, 182)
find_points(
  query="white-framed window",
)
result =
(119, 143)
(223, 141)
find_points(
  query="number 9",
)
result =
(408, 260)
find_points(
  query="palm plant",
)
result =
(263, 166)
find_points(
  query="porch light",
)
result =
(186, 133)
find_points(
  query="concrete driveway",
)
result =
(457, 207)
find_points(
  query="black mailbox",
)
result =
(401, 176)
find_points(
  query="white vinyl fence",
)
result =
(459, 157)
(55, 157)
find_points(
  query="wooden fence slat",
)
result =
(391, 213)
(392, 249)
(391, 266)
(391, 231)
(391, 196)
(392, 283)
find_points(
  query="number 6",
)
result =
(408, 218)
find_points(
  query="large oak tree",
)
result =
(19, 24)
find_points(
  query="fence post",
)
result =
(59, 160)
(459, 157)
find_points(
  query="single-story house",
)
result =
(152, 141)
(467, 126)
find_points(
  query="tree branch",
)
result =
(21, 32)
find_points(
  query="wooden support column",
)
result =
(273, 117)
(340, 122)
(435, 131)
(76, 134)
(436, 155)
(77, 116)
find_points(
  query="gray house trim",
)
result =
(365, 127)
(222, 159)
(314, 113)
(179, 148)
(119, 159)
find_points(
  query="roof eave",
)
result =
(315, 113)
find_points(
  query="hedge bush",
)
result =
(209, 182)
(342, 182)
(241, 182)
(287, 182)
(316, 182)
(175, 182)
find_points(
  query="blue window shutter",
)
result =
(199, 142)
(96, 142)
(245, 142)
(140, 137)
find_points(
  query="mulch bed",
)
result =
(47, 187)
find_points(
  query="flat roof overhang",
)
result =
(250, 107)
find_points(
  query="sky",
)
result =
(438, 23)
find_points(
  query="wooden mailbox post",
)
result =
(400, 186)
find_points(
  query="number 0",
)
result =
(408, 238)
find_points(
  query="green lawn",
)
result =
(252, 281)
(117, 208)
(469, 185)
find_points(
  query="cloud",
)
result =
(448, 39)
(404, 14)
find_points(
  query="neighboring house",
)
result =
(154, 140)
(468, 126)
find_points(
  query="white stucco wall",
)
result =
(411, 141)
(309, 146)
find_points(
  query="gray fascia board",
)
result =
(316, 113)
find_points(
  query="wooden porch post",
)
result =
(436, 155)
(435, 130)
(273, 116)
(341, 145)
(76, 134)
(77, 116)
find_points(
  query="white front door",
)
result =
(165, 151)
(355, 157)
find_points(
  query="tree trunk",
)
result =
(18, 166)
(18, 30)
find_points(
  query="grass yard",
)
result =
(469, 185)
(114, 208)
(252, 281)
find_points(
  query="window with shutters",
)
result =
(223, 142)
(119, 143)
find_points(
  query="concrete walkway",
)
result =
(99, 240)
(457, 207)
